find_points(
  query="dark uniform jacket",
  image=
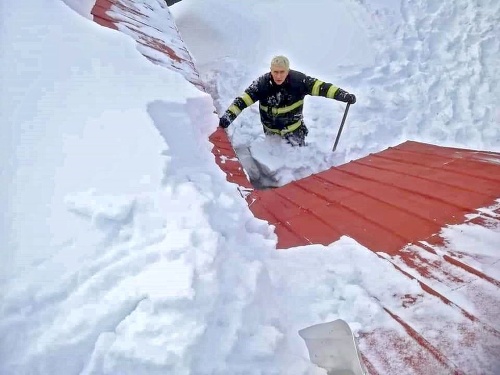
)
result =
(281, 105)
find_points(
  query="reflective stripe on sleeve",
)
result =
(247, 99)
(234, 109)
(316, 87)
(331, 91)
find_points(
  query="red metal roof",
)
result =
(153, 29)
(404, 194)
(395, 203)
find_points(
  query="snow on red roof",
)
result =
(395, 203)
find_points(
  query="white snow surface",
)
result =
(424, 70)
(124, 249)
(82, 7)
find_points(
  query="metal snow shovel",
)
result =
(341, 127)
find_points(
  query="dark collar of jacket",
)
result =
(294, 78)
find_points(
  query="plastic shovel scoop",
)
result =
(332, 346)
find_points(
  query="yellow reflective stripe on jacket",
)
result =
(316, 87)
(288, 129)
(247, 99)
(280, 111)
(234, 109)
(331, 91)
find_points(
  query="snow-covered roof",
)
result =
(168, 286)
(398, 203)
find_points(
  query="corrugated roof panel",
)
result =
(152, 27)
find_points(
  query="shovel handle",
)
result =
(341, 127)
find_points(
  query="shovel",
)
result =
(341, 127)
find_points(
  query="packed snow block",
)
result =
(151, 25)
(332, 346)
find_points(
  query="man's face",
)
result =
(279, 74)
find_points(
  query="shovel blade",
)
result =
(332, 346)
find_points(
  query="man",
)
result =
(281, 95)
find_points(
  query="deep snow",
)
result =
(125, 250)
(426, 71)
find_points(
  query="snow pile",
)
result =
(426, 71)
(125, 251)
